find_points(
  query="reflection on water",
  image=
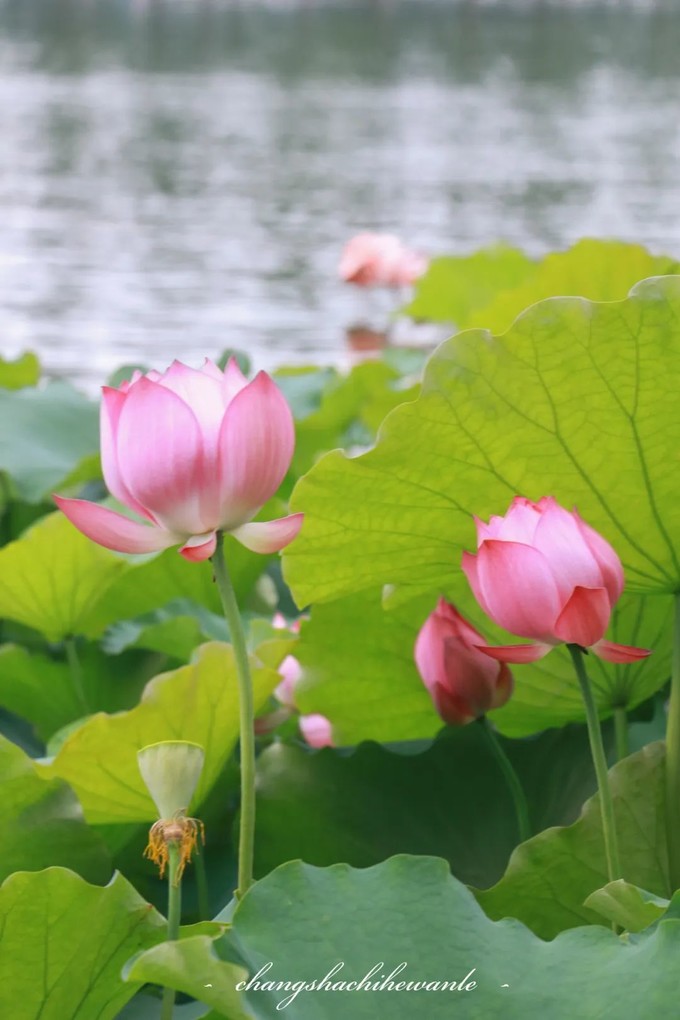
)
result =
(176, 178)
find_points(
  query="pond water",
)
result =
(178, 178)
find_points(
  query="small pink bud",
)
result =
(464, 682)
(317, 730)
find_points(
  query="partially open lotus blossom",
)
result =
(464, 682)
(191, 451)
(380, 260)
(541, 572)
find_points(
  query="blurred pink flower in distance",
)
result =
(463, 682)
(541, 572)
(316, 729)
(191, 452)
(291, 672)
(380, 260)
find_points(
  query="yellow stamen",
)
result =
(181, 831)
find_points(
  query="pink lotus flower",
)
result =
(316, 729)
(464, 682)
(543, 573)
(192, 452)
(380, 260)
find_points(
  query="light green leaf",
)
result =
(624, 904)
(52, 576)
(64, 943)
(174, 630)
(42, 822)
(492, 286)
(44, 434)
(151, 583)
(359, 670)
(148, 1007)
(550, 877)
(411, 910)
(23, 371)
(359, 401)
(577, 399)
(455, 287)
(192, 966)
(198, 702)
(591, 268)
(548, 694)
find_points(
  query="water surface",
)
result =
(177, 178)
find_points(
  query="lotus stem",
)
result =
(600, 762)
(174, 916)
(511, 778)
(76, 672)
(247, 719)
(202, 884)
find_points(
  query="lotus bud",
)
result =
(463, 682)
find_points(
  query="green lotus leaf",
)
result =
(456, 287)
(624, 904)
(153, 582)
(192, 966)
(198, 702)
(591, 268)
(52, 576)
(577, 399)
(64, 943)
(45, 433)
(38, 689)
(550, 878)
(43, 823)
(358, 667)
(490, 287)
(22, 371)
(374, 802)
(410, 915)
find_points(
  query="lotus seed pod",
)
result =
(171, 770)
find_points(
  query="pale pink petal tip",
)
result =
(112, 530)
(269, 536)
(233, 379)
(611, 652)
(516, 653)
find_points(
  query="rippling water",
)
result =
(177, 178)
